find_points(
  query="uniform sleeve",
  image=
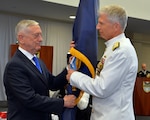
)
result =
(109, 81)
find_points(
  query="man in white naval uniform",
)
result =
(112, 88)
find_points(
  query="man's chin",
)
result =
(38, 49)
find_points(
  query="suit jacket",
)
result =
(142, 74)
(27, 89)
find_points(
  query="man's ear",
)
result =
(20, 38)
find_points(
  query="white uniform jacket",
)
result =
(112, 90)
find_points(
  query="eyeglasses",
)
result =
(36, 35)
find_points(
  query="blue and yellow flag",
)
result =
(84, 30)
(86, 42)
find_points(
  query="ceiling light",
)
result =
(72, 17)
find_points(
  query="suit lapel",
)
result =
(33, 67)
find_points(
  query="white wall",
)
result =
(135, 8)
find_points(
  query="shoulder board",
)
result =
(116, 45)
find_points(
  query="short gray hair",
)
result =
(116, 14)
(23, 24)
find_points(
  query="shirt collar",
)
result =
(26, 53)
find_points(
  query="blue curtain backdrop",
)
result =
(86, 42)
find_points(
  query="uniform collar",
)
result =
(115, 39)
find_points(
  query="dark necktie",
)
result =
(35, 59)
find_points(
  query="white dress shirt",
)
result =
(27, 54)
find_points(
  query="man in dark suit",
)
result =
(144, 72)
(27, 88)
